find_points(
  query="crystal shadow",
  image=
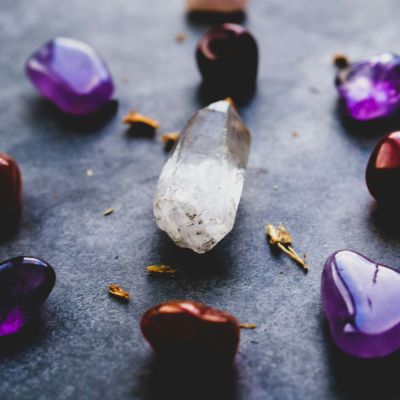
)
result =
(181, 377)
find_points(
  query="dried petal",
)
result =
(108, 211)
(284, 235)
(280, 237)
(161, 269)
(340, 60)
(169, 139)
(117, 292)
(248, 326)
(272, 233)
(134, 118)
(180, 37)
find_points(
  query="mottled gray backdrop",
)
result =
(88, 346)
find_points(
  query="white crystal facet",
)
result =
(199, 189)
(217, 5)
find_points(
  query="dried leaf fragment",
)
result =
(340, 60)
(279, 236)
(133, 118)
(117, 292)
(180, 37)
(161, 269)
(109, 211)
(169, 139)
(247, 326)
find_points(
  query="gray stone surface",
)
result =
(88, 346)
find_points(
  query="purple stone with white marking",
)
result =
(71, 75)
(361, 300)
(370, 88)
(25, 284)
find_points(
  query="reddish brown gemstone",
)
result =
(227, 56)
(10, 191)
(190, 328)
(383, 170)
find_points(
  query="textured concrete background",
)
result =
(88, 346)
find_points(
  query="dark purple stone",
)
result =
(227, 57)
(370, 88)
(71, 75)
(25, 283)
(361, 300)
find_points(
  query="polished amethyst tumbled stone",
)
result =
(361, 300)
(25, 283)
(370, 89)
(71, 75)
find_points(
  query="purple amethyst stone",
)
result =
(71, 75)
(25, 283)
(370, 88)
(361, 300)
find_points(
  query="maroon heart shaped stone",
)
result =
(383, 170)
(25, 283)
(227, 57)
(191, 328)
(10, 193)
(361, 300)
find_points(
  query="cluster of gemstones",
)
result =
(360, 297)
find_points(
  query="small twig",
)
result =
(280, 237)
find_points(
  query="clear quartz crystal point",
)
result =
(199, 189)
(224, 6)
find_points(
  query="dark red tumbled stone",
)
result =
(10, 191)
(187, 327)
(227, 57)
(25, 283)
(383, 170)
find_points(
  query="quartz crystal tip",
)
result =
(200, 186)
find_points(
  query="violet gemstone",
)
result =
(383, 170)
(361, 300)
(227, 57)
(370, 88)
(71, 75)
(25, 283)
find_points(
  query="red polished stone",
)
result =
(190, 328)
(383, 170)
(10, 191)
(227, 57)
